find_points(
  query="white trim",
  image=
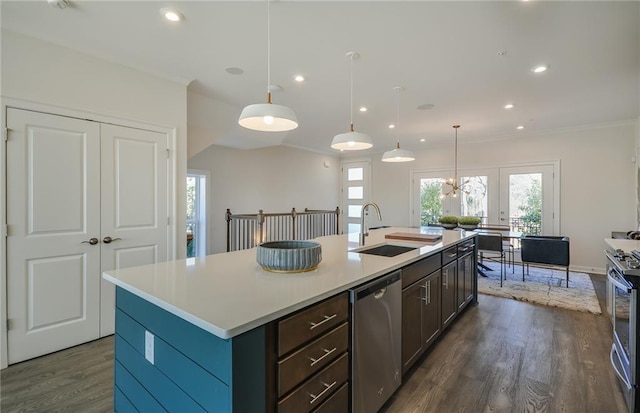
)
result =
(172, 137)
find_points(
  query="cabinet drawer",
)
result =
(311, 358)
(312, 322)
(338, 403)
(465, 247)
(412, 273)
(317, 389)
(450, 254)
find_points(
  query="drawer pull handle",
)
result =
(326, 353)
(327, 387)
(326, 318)
(452, 255)
(465, 249)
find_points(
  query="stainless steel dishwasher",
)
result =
(376, 310)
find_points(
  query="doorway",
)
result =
(196, 213)
(525, 197)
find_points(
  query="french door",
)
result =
(523, 197)
(527, 199)
(82, 198)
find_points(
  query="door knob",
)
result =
(108, 240)
(92, 241)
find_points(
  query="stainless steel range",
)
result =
(623, 273)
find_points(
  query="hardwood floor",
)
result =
(500, 356)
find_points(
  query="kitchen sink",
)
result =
(386, 250)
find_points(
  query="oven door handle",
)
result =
(617, 283)
(615, 368)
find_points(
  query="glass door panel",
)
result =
(355, 192)
(527, 199)
(475, 200)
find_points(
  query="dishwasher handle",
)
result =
(377, 287)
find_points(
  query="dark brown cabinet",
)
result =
(420, 311)
(465, 280)
(449, 293)
(311, 358)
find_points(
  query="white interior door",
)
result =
(53, 210)
(134, 205)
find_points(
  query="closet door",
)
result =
(134, 205)
(53, 248)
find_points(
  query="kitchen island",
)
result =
(202, 334)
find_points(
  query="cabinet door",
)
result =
(465, 280)
(431, 309)
(469, 277)
(449, 302)
(412, 342)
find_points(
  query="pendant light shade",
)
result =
(352, 140)
(397, 154)
(268, 117)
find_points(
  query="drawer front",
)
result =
(338, 403)
(465, 247)
(412, 273)
(450, 254)
(312, 358)
(312, 322)
(317, 389)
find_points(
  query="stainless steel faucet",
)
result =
(363, 228)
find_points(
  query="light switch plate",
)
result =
(149, 347)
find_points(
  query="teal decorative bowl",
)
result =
(289, 256)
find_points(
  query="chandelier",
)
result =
(453, 182)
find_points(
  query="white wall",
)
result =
(40, 74)
(273, 179)
(597, 188)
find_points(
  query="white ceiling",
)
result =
(442, 53)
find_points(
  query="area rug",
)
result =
(544, 286)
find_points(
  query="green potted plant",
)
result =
(448, 221)
(468, 223)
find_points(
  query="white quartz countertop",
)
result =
(627, 245)
(228, 294)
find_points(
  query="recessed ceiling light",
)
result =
(422, 140)
(426, 106)
(509, 106)
(234, 70)
(171, 14)
(391, 126)
(363, 109)
(299, 78)
(520, 127)
(540, 68)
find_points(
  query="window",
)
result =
(196, 236)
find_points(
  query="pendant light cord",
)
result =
(351, 92)
(269, 48)
(398, 119)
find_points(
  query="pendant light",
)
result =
(397, 154)
(352, 140)
(268, 117)
(453, 182)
